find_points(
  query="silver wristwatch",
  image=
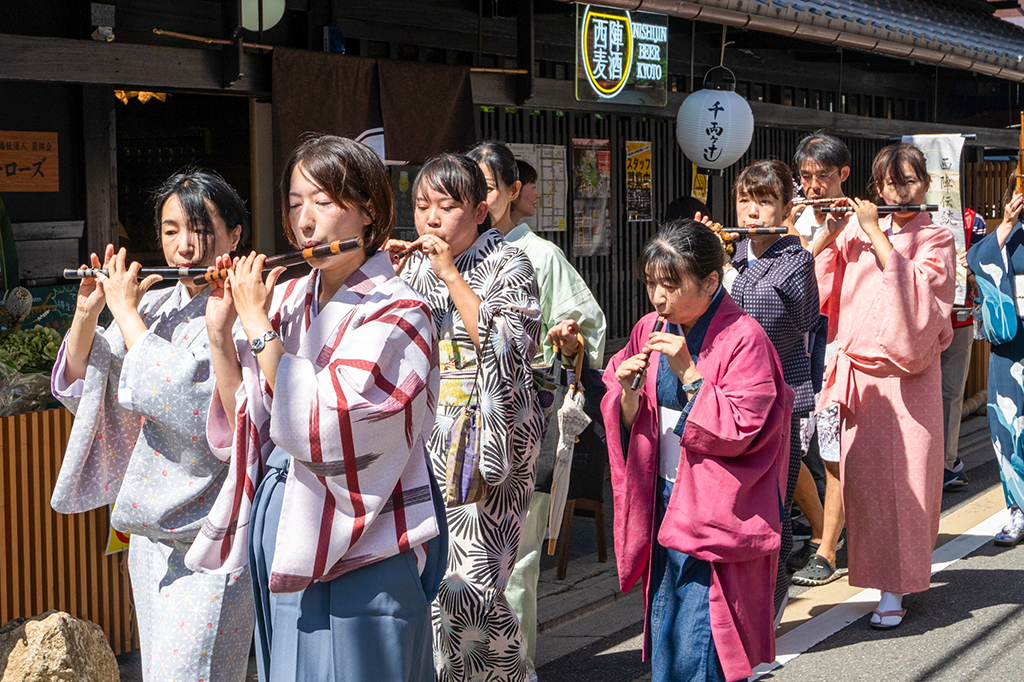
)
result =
(260, 342)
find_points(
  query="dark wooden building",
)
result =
(867, 70)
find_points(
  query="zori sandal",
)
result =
(882, 615)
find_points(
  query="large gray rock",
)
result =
(55, 647)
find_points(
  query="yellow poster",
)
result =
(699, 185)
(116, 541)
(638, 180)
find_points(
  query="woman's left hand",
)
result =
(251, 295)
(122, 288)
(674, 349)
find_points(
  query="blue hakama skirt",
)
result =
(372, 623)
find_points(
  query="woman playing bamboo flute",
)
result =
(699, 456)
(323, 407)
(887, 288)
(483, 297)
(776, 286)
(139, 391)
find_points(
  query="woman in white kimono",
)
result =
(139, 390)
(325, 421)
(476, 283)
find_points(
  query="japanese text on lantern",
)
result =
(28, 162)
(714, 133)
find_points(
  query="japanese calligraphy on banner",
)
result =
(638, 181)
(549, 162)
(28, 162)
(621, 56)
(592, 193)
(942, 157)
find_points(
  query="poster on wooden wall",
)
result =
(638, 181)
(116, 540)
(592, 194)
(549, 162)
(28, 161)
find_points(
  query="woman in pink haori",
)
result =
(699, 455)
(889, 284)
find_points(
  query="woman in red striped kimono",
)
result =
(324, 405)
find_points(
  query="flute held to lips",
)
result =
(755, 230)
(904, 208)
(640, 375)
(824, 201)
(166, 273)
(293, 258)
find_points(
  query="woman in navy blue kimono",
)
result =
(777, 287)
(997, 262)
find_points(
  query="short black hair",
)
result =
(456, 176)
(681, 248)
(194, 187)
(819, 146)
(684, 207)
(352, 175)
(527, 173)
(765, 178)
(499, 158)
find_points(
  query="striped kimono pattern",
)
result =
(354, 401)
(476, 633)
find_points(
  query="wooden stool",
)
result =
(589, 509)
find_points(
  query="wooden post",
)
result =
(99, 124)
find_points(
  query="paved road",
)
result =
(968, 626)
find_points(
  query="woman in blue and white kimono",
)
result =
(139, 391)
(997, 262)
(777, 287)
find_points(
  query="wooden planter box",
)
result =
(50, 560)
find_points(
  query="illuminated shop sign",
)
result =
(621, 56)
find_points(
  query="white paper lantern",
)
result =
(714, 127)
(273, 10)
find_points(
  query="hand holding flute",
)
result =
(638, 377)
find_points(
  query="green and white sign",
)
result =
(621, 56)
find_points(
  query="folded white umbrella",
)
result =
(572, 421)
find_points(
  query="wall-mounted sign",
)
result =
(28, 162)
(549, 162)
(638, 181)
(621, 56)
(592, 195)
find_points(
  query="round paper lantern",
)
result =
(273, 10)
(714, 126)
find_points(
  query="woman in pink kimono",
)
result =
(699, 457)
(889, 283)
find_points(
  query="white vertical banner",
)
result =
(942, 155)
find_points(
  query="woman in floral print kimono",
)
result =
(139, 390)
(483, 297)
